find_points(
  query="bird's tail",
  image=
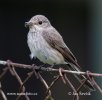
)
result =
(88, 85)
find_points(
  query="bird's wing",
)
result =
(55, 40)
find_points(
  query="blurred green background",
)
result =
(78, 21)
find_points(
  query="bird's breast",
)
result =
(37, 44)
(42, 50)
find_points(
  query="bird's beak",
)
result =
(28, 24)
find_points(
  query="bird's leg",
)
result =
(40, 67)
(52, 65)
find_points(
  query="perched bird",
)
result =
(45, 43)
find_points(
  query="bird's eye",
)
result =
(40, 22)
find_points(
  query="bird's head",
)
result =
(39, 21)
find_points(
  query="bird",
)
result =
(46, 44)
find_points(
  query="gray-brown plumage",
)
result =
(56, 42)
(48, 46)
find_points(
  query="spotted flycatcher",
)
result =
(48, 46)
